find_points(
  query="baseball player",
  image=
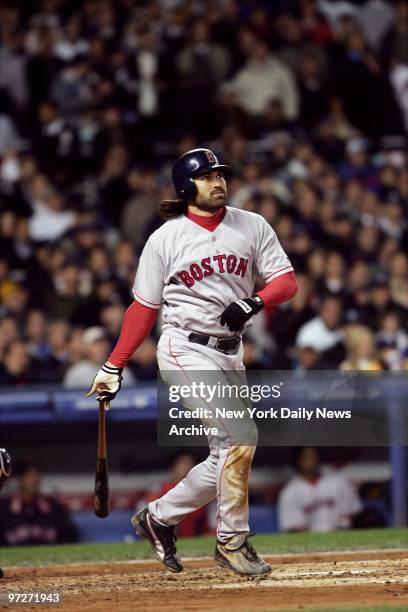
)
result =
(200, 267)
(5, 473)
(314, 500)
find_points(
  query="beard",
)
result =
(212, 203)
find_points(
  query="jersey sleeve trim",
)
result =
(279, 272)
(144, 302)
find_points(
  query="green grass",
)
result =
(197, 547)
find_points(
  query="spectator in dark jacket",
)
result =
(28, 517)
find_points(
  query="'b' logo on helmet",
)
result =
(211, 157)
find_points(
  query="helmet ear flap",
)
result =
(189, 190)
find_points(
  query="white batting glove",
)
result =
(106, 383)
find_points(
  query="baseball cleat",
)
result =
(1, 573)
(162, 539)
(241, 557)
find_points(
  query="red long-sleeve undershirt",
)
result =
(139, 320)
(279, 290)
(137, 325)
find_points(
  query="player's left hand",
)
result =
(238, 313)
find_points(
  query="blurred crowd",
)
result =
(306, 100)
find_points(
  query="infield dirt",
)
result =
(340, 580)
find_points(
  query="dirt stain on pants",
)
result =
(236, 475)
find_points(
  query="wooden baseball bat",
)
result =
(101, 474)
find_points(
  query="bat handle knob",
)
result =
(104, 404)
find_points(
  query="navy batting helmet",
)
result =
(5, 466)
(190, 165)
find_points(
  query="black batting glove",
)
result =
(238, 313)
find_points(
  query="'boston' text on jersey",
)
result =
(229, 264)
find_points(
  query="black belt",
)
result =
(229, 346)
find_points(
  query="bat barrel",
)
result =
(101, 473)
(101, 489)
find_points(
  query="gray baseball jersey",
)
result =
(195, 273)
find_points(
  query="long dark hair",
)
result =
(170, 209)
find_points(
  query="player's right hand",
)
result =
(106, 383)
